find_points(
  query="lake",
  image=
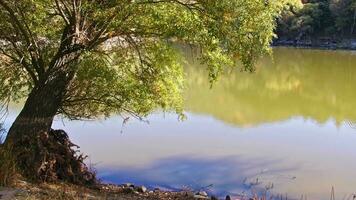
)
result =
(290, 127)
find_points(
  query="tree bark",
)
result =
(45, 98)
(39, 110)
(41, 153)
(28, 134)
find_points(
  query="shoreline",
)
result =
(344, 44)
(23, 190)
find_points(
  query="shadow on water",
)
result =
(221, 176)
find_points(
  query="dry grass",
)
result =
(8, 170)
(58, 192)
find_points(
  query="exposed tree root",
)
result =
(51, 157)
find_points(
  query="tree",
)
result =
(345, 14)
(84, 59)
(310, 19)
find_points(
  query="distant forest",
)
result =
(332, 19)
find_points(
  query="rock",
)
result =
(202, 193)
(200, 197)
(141, 189)
(156, 190)
(228, 197)
(8, 193)
(129, 185)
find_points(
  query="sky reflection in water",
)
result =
(298, 156)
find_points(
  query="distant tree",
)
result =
(345, 14)
(319, 17)
(298, 21)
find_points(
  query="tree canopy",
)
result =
(83, 59)
(120, 55)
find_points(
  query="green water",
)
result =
(314, 84)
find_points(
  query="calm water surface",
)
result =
(290, 125)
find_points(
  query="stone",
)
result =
(129, 185)
(202, 193)
(228, 197)
(8, 193)
(200, 197)
(141, 189)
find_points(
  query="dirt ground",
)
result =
(70, 192)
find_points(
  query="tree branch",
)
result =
(61, 12)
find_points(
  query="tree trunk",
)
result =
(43, 154)
(38, 112)
(32, 126)
(353, 23)
(45, 99)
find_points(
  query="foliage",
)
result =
(344, 13)
(318, 17)
(118, 56)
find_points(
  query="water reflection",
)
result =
(203, 151)
(313, 84)
(282, 125)
(225, 175)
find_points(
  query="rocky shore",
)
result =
(28, 191)
(318, 43)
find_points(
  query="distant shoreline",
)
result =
(319, 43)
